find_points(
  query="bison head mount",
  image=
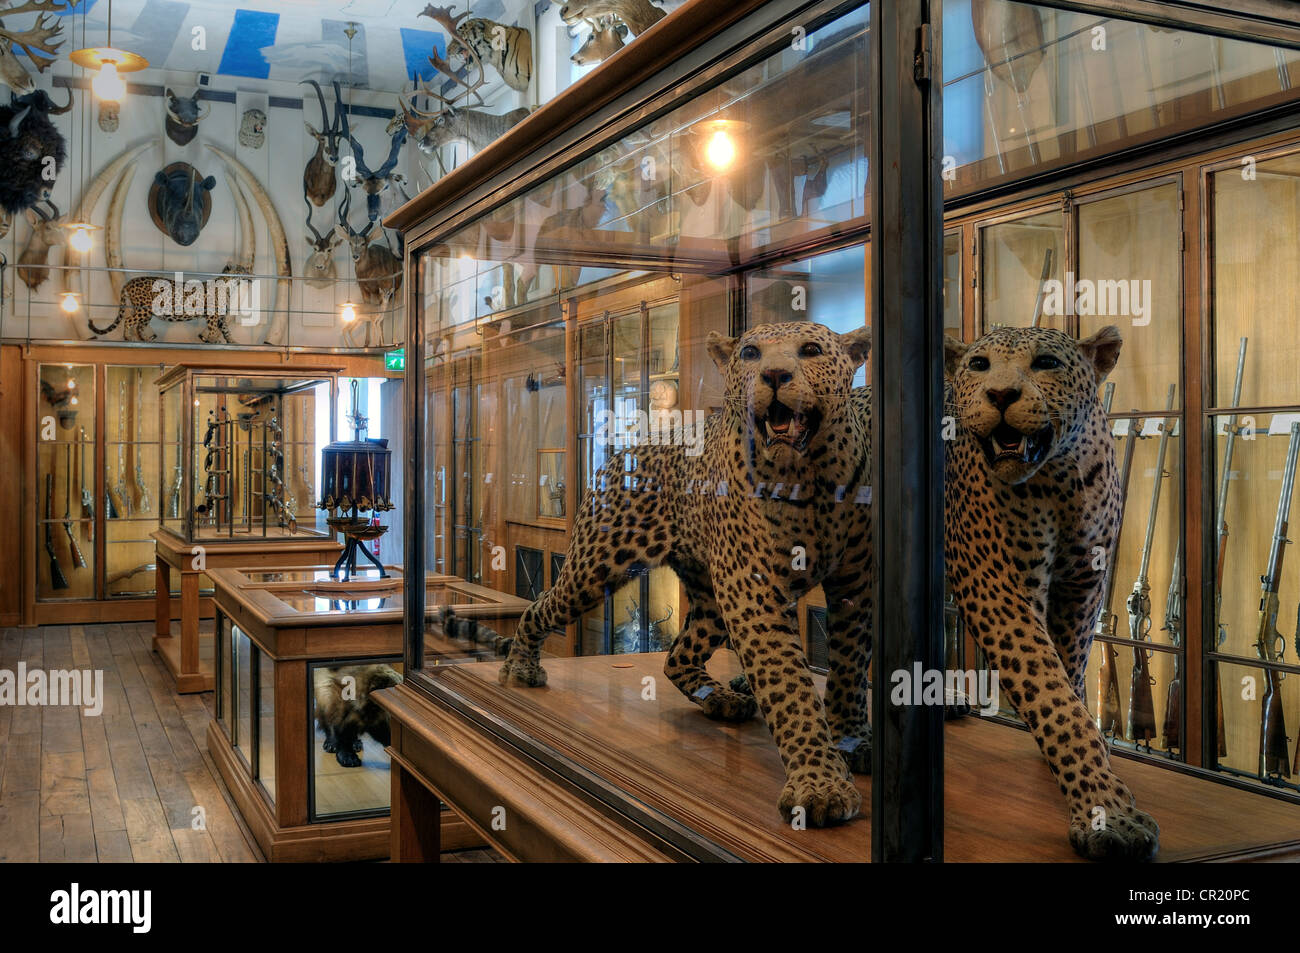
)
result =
(180, 201)
(32, 150)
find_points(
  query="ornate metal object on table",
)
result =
(355, 479)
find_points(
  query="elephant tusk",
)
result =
(113, 231)
(275, 332)
(246, 253)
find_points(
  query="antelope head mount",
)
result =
(47, 231)
(318, 179)
(375, 183)
(320, 271)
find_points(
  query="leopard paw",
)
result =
(522, 672)
(826, 797)
(740, 684)
(723, 705)
(856, 749)
(1123, 834)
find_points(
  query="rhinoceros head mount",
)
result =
(180, 201)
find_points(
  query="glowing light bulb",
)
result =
(70, 305)
(349, 312)
(80, 240)
(720, 151)
(107, 84)
(73, 400)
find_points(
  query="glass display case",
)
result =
(65, 479)
(759, 217)
(239, 458)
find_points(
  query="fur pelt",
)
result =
(23, 153)
(345, 711)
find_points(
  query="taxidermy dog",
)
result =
(345, 711)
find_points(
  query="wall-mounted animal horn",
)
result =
(183, 117)
(319, 271)
(27, 140)
(180, 202)
(375, 183)
(252, 128)
(47, 231)
(39, 38)
(318, 179)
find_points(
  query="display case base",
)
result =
(357, 839)
(588, 768)
(168, 648)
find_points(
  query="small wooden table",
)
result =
(300, 803)
(589, 768)
(181, 656)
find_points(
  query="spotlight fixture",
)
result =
(79, 237)
(109, 63)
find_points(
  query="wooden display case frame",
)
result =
(292, 641)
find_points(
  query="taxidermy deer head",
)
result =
(319, 271)
(28, 140)
(379, 271)
(607, 36)
(639, 15)
(47, 231)
(318, 177)
(38, 38)
(183, 117)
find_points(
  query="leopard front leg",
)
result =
(817, 776)
(703, 634)
(1105, 823)
(849, 617)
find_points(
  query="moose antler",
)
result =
(40, 35)
(444, 18)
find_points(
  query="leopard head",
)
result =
(783, 381)
(1025, 394)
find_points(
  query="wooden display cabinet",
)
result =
(277, 632)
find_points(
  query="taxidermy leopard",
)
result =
(774, 506)
(1033, 499)
(139, 299)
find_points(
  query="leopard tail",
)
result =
(121, 311)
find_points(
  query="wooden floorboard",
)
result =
(132, 784)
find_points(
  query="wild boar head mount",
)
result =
(183, 117)
(180, 201)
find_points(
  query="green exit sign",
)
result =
(395, 360)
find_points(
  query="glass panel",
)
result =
(131, 459)
(350, 768)
(1015, 259)
(266, 724)
(1027, 87)
(65, 474)
(1256, 280)
(243, 661)
(223, 649)
(954, 292)
(171, 493)
(1130, 275)
(1245, 688)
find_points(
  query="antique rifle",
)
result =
(127, 573)
(123, 498)
(78, 560)
(174, 504)
(1221, 535)
(57, 579)
(87, 498)
(1141, 707)
(1172, 726)
(146, 504)
(1110, 719)
(1269, 642)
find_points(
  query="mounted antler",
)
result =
(39, 38)
(443, 17)
(377, 182)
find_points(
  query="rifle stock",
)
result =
(57, 579)
(1110, 719)
(1273, 760)
(1142, 712)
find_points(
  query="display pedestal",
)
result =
(279, 629)
(676, 786)
(173, 554)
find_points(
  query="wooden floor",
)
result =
(128, 785)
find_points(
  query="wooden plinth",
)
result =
(666, 774)
(173, 554)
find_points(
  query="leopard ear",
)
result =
(1102, 349)
(858, 344)
(953, 351)
(720, 349)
